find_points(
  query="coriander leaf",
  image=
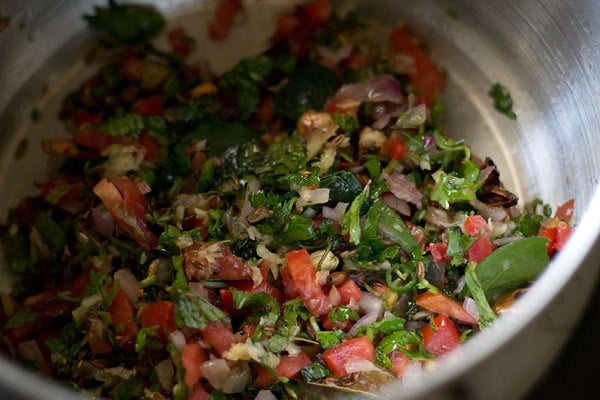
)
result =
(128, 125)
(347, 123)
(20, 318)
(128, 23)
(341, 314)
(486, 315)
(329, 339)
(314, 372)
(457, 186)
(51, 231)
(503, 101)
(351, 220)
(384, 326)
(457, 245)
(172, 239)
(407, 342)
(343, 187)
(261, 301)
(512, 266)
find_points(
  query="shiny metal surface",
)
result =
(547, 52)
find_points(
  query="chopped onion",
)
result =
(397, 204)
(412, 373)
(366, 319)
(312, 196)
(178, 339)
(379, 88)
(335, 55)
(371, 303)
(334, 296)
(129, 283)
(404, 188)
(357, 364)
(460, 284)
(412, 117)
(436, 274)
(102, 220)
(440, 217)
(335, 213)
(199, 289)
(221, 376)
(265, 395)
(471, 307)
(487, 211)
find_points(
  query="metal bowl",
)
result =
(546, 52)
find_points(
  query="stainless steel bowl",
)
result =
(547, 52)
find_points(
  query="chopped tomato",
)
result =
(558, 233)
(342, 106)
(338, 356)
(22, 332)
(442, 339)
(330, 325)
(179, 41)
(83, 117)
(397, 149)
(199, 394)
(288, 367)
(150, 106)
(565, 211)
(122, 312)
(125, 201)
(442, 304)
(315, 13)
(192, 355)
(161, 314)
(438, 252)
(67, 193)
(219, 336)
(287, 23)
(77, 287)
(304, 277)
(288, 284)
(98, 141)
(151, 145)
(223, 18)
(480, 249)
(427, 80)
(98, 345)
(399, 362)
(349, 292)
(475, 225)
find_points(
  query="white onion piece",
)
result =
(413, 373)
(371, 303)
(359, 365)
(487, 211)
(412, 117)
(165, 373)
(30, 351)
(404, 188)
(199, 289)
(129, 283)
(265, 395)
(221, 376)
(334, 296)
(397, 204)
(471, 307)
(335, 213)
(440, 217)
(379, 88)
(335, 55)
(366, 319)
(312, 196)
(460, 284)
(102, 220)
(178, 339)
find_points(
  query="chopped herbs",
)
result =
(503, 101)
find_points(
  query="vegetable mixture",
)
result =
(301, 220)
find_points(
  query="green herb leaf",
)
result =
(262, 302)
(51, 231)
(503, 101)
(20, 318)
(512, 266)
(343, 187)
(407, 342)
(486, 315)
(351, 220)
(314, 372)
(128, 23)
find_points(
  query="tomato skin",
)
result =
(438, 252)
(149, 106)
(179, 42)
(349, 292)
(192, 355)
(315, 13)
(125, 202)
(557, 235)
(304, 278)
(83, 117)
(161, 314)
(219, 336)
(223, 18)
(199, 394)
(288, 367)
(399, 362)
(475, 225)
(443, 339)
(397, 149)
(426, 78)
(337, 356)
(480, 249)
(122, 312)
(442, 304)
(565, 211)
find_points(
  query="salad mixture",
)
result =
(301, 220)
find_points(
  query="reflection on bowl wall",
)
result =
(545, 52)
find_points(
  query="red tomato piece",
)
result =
(438, 252)
(397, 149)
(426, 78)
(150, 106)
(349, 292)
(219, 336)
(122, 312)
(179, 41)
(20, 333)
(288, 367)
(199, 394)
(83, 117)
(565, 211)
(223, 18)
(330, 325)
(192, 355)
(442, 304)
(338, 356)
(475, 225)
(443, 339)
(77, 287)
(399, 362)
(98, 141)
(287, 23)
(288, 284)
(125, 201)
(557, 234)
(315, 13)
(480, 249)
(304, 277)
(161, 314)
(151, 145)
